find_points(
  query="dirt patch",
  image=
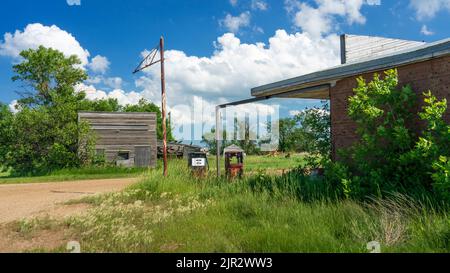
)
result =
(28, 200)
(50, 233)
(32, 216)
(13, 241)
(46, 240)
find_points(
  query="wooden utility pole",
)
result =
(163, 110)
(148, 61)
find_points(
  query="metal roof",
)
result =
(331, 75)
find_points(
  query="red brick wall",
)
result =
(431, 75)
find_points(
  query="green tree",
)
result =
(48, 76)
(288, 132)
(314, 134)
(6, 133)
(249, 146)
(209, 139)
(46, 132)
(308, 131)
(103, 105)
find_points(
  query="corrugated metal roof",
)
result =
(358, 47)
(331, 75)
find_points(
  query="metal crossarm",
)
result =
(151, 56)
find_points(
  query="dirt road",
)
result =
(24, 200)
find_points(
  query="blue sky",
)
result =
(215, 49)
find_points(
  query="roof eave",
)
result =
(332, 75)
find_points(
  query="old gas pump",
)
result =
(234, 161)
(198, 163)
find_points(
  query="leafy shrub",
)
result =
(295, 184)
(392, 155)
(441, 177)
(316, 134)
(309, 131)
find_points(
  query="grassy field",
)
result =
(257, 214)
(73, 174)
(253, 163)
(268, 163)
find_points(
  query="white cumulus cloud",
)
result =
(233, 69)
(427, 9)
(111, 82)
(236, 67)
(235, 23)
(74, 2)
(37, 34)
(373, 2)
(259, 5)
(226, 75)
(321, 20)
(13, 106)
(99, 64)
(425, 31)
(123, 97)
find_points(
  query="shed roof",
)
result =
(316, 85)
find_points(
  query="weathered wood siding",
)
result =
(123, 132)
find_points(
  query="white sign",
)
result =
(198, 162)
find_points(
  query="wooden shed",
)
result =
(127, 139)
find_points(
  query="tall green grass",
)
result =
(253, 163)
(290, 213)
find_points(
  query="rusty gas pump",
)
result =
(234, 161)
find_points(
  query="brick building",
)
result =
(425, 66)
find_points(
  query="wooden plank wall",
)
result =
(119, 132)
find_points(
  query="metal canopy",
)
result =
(305, 93)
